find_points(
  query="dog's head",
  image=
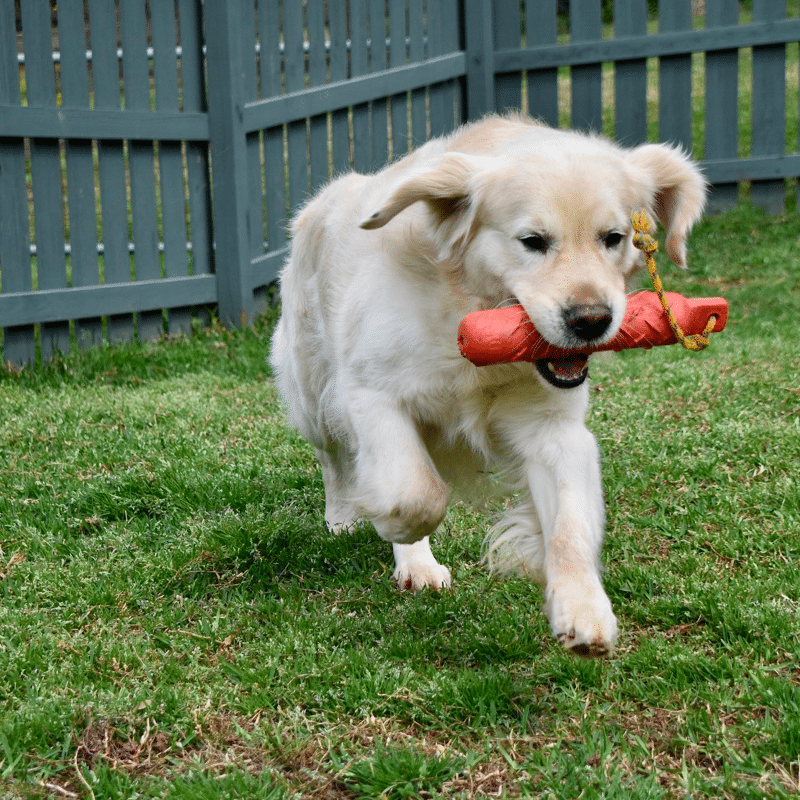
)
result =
(546, 222)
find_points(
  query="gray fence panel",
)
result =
(15, 256)
(675, 79)
(722, 101)
(630, 77)
(285, 94)
(769, 105)
(45, 155)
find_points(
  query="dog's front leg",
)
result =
(398, 488)
(564, 478)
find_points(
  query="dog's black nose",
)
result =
(588, 322)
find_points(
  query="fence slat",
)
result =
(442, 39)
(294, 71)
(630, 77)
(397, 56)
(19, 343)
(317, 68)
(675, 79)
(141, 162)
(379, 111)
(193, 89)
(116, 264)
(45, 170)
(416, 53)
(541, 29)
(274, 171)
(83, 257)
(340, 123)
(587, 79)
(508, 36)
(722, 99)
(362, 156)
(170, 158)
(769, 105)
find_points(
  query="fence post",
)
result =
(479, 46)
(226, 81)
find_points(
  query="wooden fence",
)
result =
(147, 173)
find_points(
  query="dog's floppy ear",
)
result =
(679, 193)
(445, 185)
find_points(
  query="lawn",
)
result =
(176, 622)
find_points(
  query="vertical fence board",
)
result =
(294, 70)
(141, 161)
(116, 265)
(254, 211)
(675, 79)
(274, 169)
(769, 106)
(79, 164)
(379, 111)
(416, 52)
(442, 39)
(630, 77)
(507, 36)
(722, 97)
(170, 158)
(340, 123)
(362, 160)
(19, 343)
(317, 69)
(587, 80)
(45, 170)
(193, 94)
(541, 29)
(397, 57)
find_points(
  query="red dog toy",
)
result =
(503, 335)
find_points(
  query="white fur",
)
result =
(382, 270)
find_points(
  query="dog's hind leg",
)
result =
(416, 567)
(341, 512)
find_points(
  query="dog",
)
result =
(381, 271)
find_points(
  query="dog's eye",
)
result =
(535, 243)
(612, 240)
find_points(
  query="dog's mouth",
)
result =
(564, 373)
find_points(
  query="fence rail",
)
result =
(148, 173)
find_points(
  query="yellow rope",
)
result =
(648, 245)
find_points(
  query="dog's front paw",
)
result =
(417, 568)
(581, 618)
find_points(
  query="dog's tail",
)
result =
(514, 544)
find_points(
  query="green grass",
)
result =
(175, 622)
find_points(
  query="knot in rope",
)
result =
(643, 241)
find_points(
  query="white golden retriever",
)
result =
(382, 270)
